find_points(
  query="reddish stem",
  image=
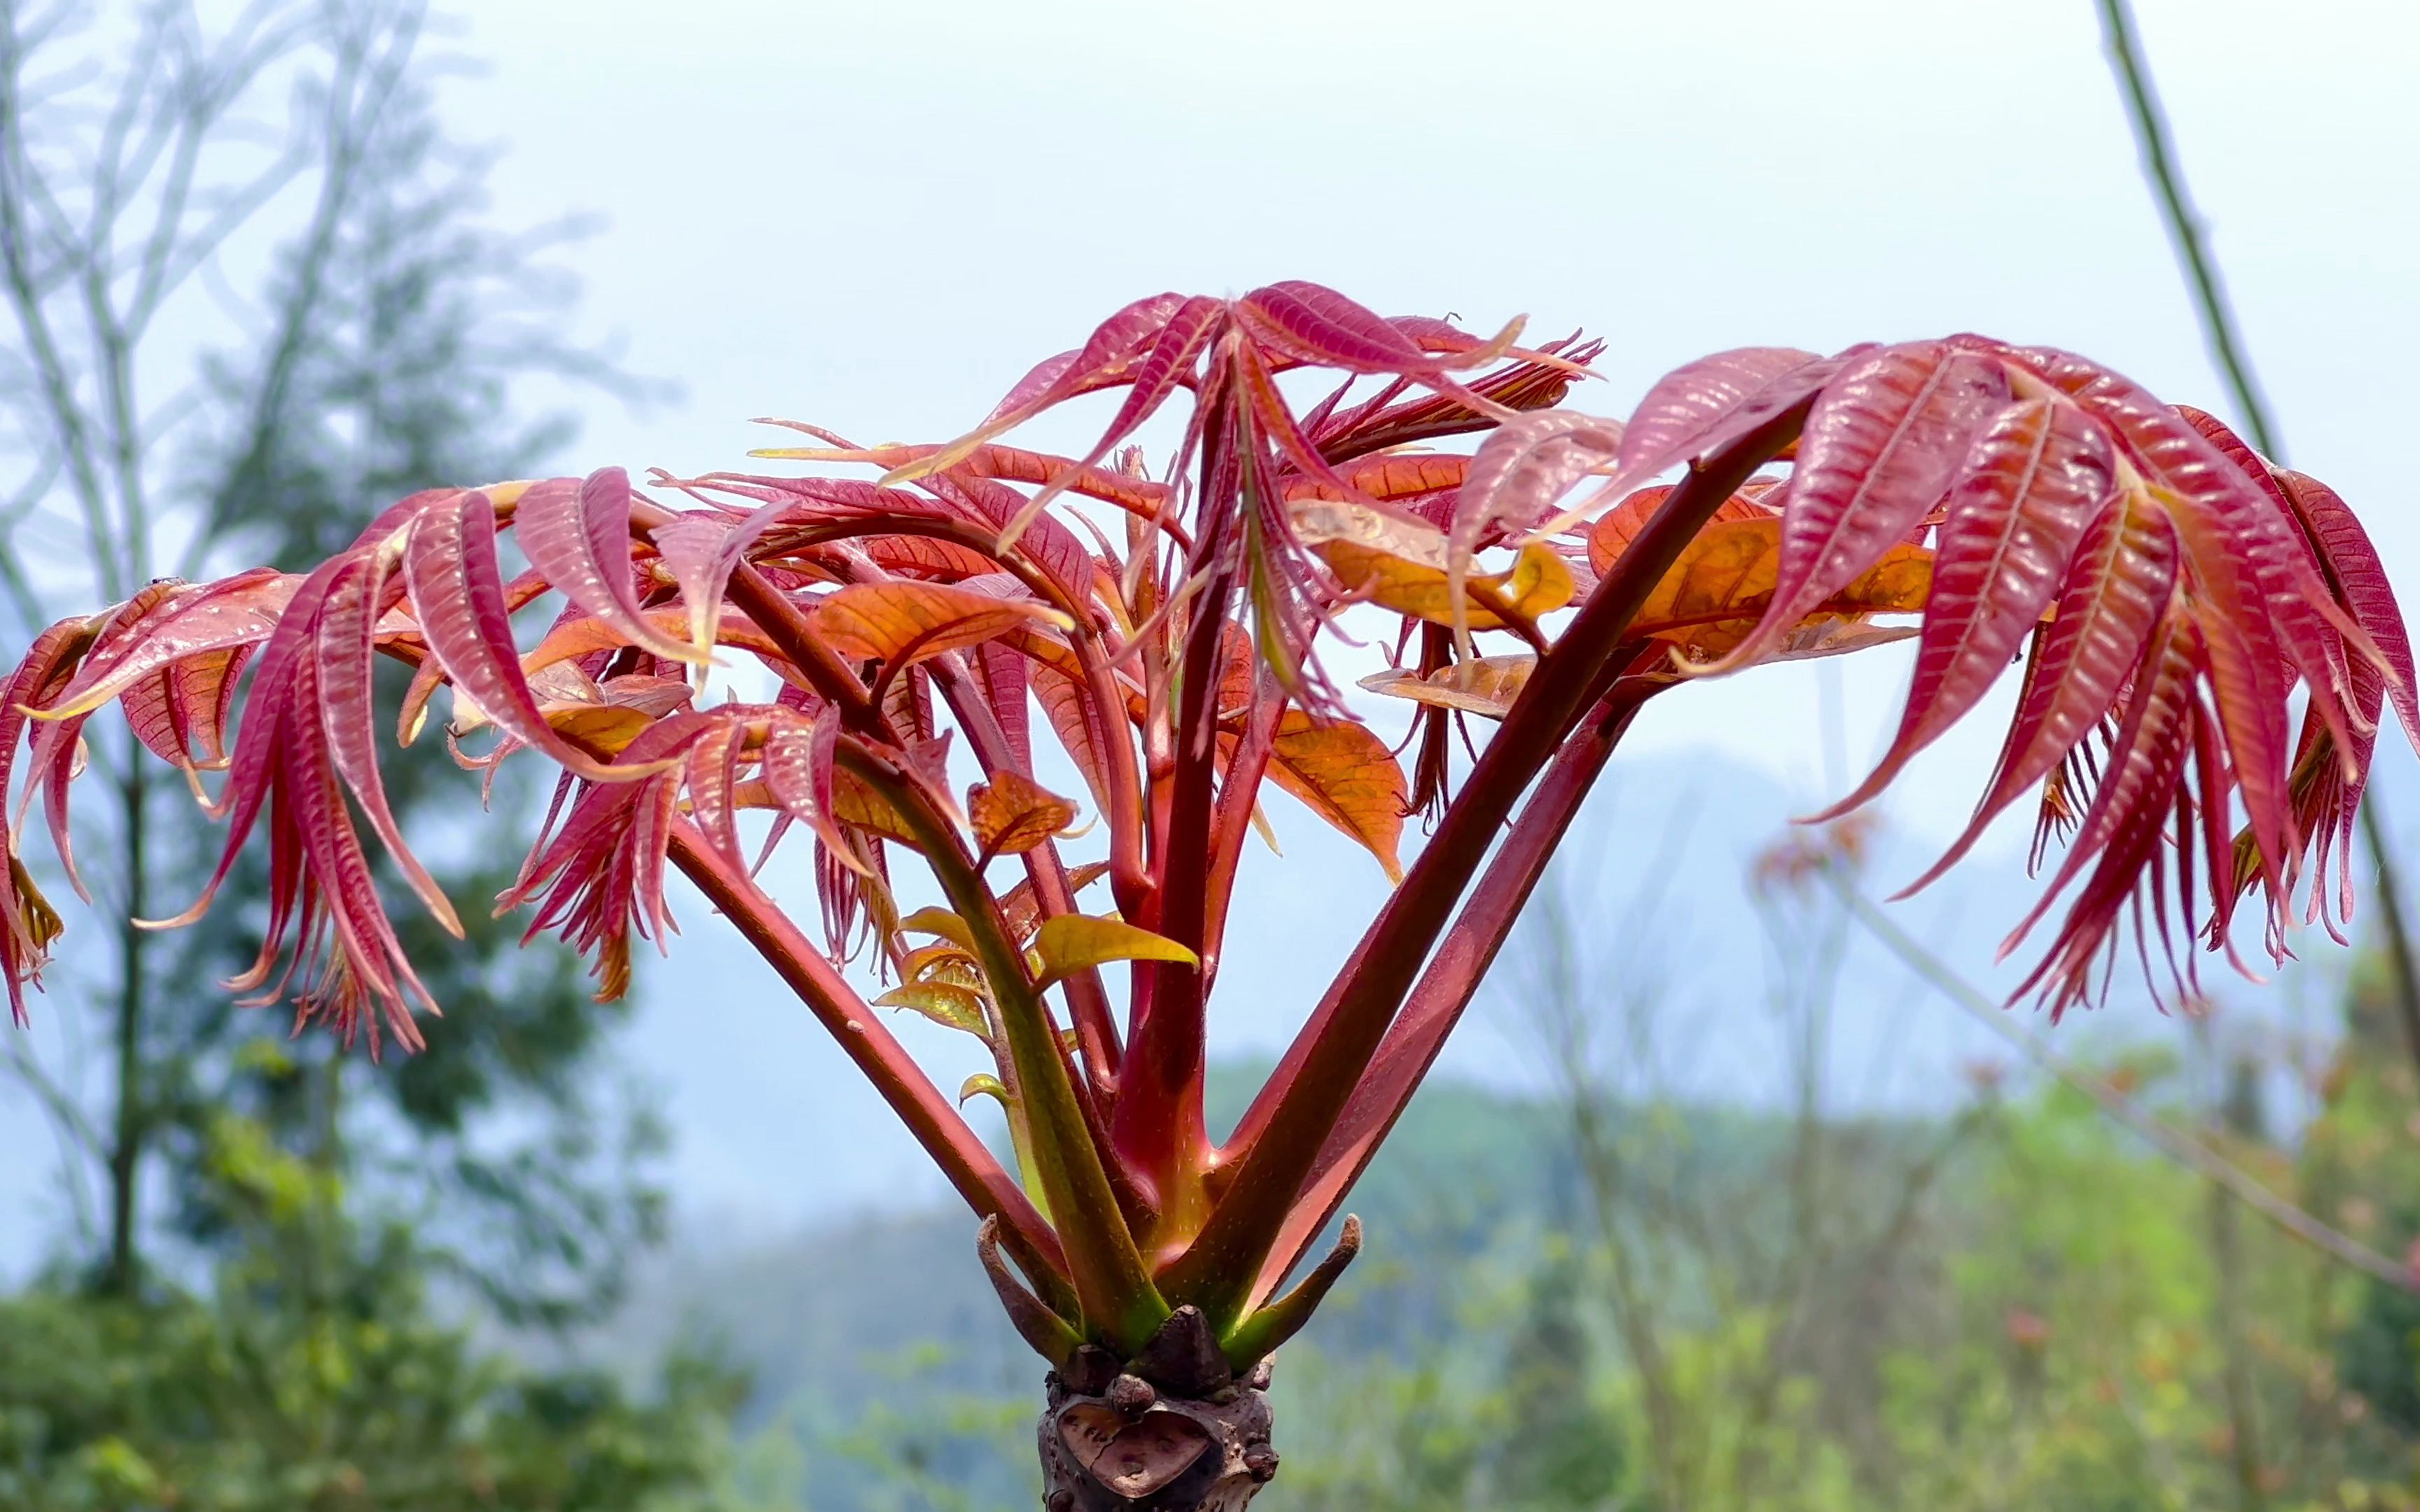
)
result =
(1224, 1262)
(1453, 977)
(1121, 1305)
(1097, 1030)
(1237, 795)
(1158, 1131)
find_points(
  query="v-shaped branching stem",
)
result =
(1222, 1269)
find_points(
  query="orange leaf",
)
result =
(855, 802)
(1613, 534)
(1396, 475)
(1011, 816)
(1345, 775)
(922, 556)
(578, 638)
(1483, 684)
(1718, 588)
(1539, 583)
(904, 621)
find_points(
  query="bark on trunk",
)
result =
(1171, 1430)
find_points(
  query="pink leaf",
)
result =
(2033, 483)
(2143, 762)
(2262, 591)
(355, 599)
(1523, 467)
(2116, 587)
(579, 535)
(1112, 342)
(457, 587)
(242, 610)
(1880, 447)
(1311, 323)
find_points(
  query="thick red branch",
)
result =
(1159, 1129)
(1224, 1264)
(1453, 977)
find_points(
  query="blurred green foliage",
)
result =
(2016, 1306)
(2052, 1333)
(314, 1376)
(287, 1267)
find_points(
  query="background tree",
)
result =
(252, 283)
(380, 348)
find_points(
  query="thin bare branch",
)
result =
(2120, 1109)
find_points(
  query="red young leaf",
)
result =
(2359, 576)
(700, 550)
(449, 562)
(1111, 344)
(711, 774)
(2143, 762)
(1524, 466)
(799, 756)
(2255, 576)
(240, 611)
(29, 925)
(1311, 323)
(348, 618)
(1108, 358)
(1881, 446)
(2116, 587)
(577, 532)
(2036, 479)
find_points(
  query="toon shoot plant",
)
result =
(2167, 591)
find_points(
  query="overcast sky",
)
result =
(876, 216)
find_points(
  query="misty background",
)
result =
(875, 217)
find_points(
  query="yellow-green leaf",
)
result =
(941, 922)
(1073, 942)
(943, 963)
(952, 1008)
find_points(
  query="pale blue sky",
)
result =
(876, 216)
